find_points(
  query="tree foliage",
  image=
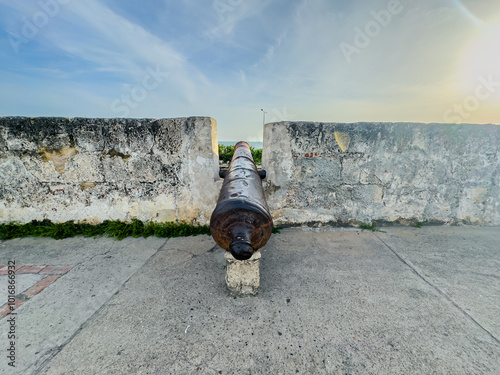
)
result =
(226, 154)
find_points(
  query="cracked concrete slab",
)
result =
(50, 319)
(463, 263)
(331, 302)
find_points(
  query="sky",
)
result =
(240, 60)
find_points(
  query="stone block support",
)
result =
(243, 276)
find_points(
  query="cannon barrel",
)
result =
(241, 222)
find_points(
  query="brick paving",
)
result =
(29, 269)
(52, 274)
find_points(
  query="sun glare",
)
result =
(481, 58)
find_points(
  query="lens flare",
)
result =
(467, 13)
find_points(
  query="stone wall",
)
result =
(104, 169)
(345, 173)
(166, 170)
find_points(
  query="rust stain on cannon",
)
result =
(241, 222)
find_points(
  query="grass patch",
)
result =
(115, 229)
(418, 225)
(371, 227)
(226, 154)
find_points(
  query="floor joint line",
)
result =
(437, 289)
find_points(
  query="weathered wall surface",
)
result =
(104, 169)
(329, 172)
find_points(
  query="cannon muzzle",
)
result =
(241, 222)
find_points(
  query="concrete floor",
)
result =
(408, 301)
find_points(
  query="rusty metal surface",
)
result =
(241, 222)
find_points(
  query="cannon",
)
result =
(241, 222)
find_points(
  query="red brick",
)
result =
(56, 270)
(41, 285)
(4, 270)
(5, 309)
(30, 269)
